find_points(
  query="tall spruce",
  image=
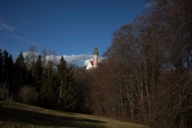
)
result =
(19, 72)
(67, 89)
(20, 69)
(1, 67)
(6, 73)
(5, 66)
(38, 70)
(50, 91)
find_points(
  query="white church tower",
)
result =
(95, 57)
(94, 63)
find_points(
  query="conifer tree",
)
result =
(38, 69)
(19, 73)
(1, 67)
(67, 90)
(50, 92)
(7, 67)
(20, 68)
(20, 61)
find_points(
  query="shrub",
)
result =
(29, 95)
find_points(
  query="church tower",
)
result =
(95, 57)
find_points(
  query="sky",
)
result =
(71, 28)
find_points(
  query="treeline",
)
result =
(38, 79)
(147, 73)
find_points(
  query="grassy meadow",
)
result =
(16, 115)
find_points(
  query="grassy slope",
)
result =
(20, 115)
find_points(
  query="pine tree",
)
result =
(7, 67)
(67, 90)
(1, 74)
(50, 92)
(50, 85)
(20, 69)
(1, 67)
(19, 74)
(38, 70)
(10, 74)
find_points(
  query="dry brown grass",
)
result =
(15, 115)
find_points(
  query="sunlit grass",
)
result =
(15, 115)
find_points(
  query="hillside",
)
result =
(20, 115)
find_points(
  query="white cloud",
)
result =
(82, 59)
(148, 5)
(74, 59)
(6, 27)
(71, 59)
(23, 40)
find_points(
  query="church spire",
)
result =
(95, 52)
(94, 63)
(95, 57)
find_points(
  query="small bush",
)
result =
(29, 95)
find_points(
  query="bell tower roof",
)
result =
(95, 52)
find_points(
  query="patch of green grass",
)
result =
(15, 115)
